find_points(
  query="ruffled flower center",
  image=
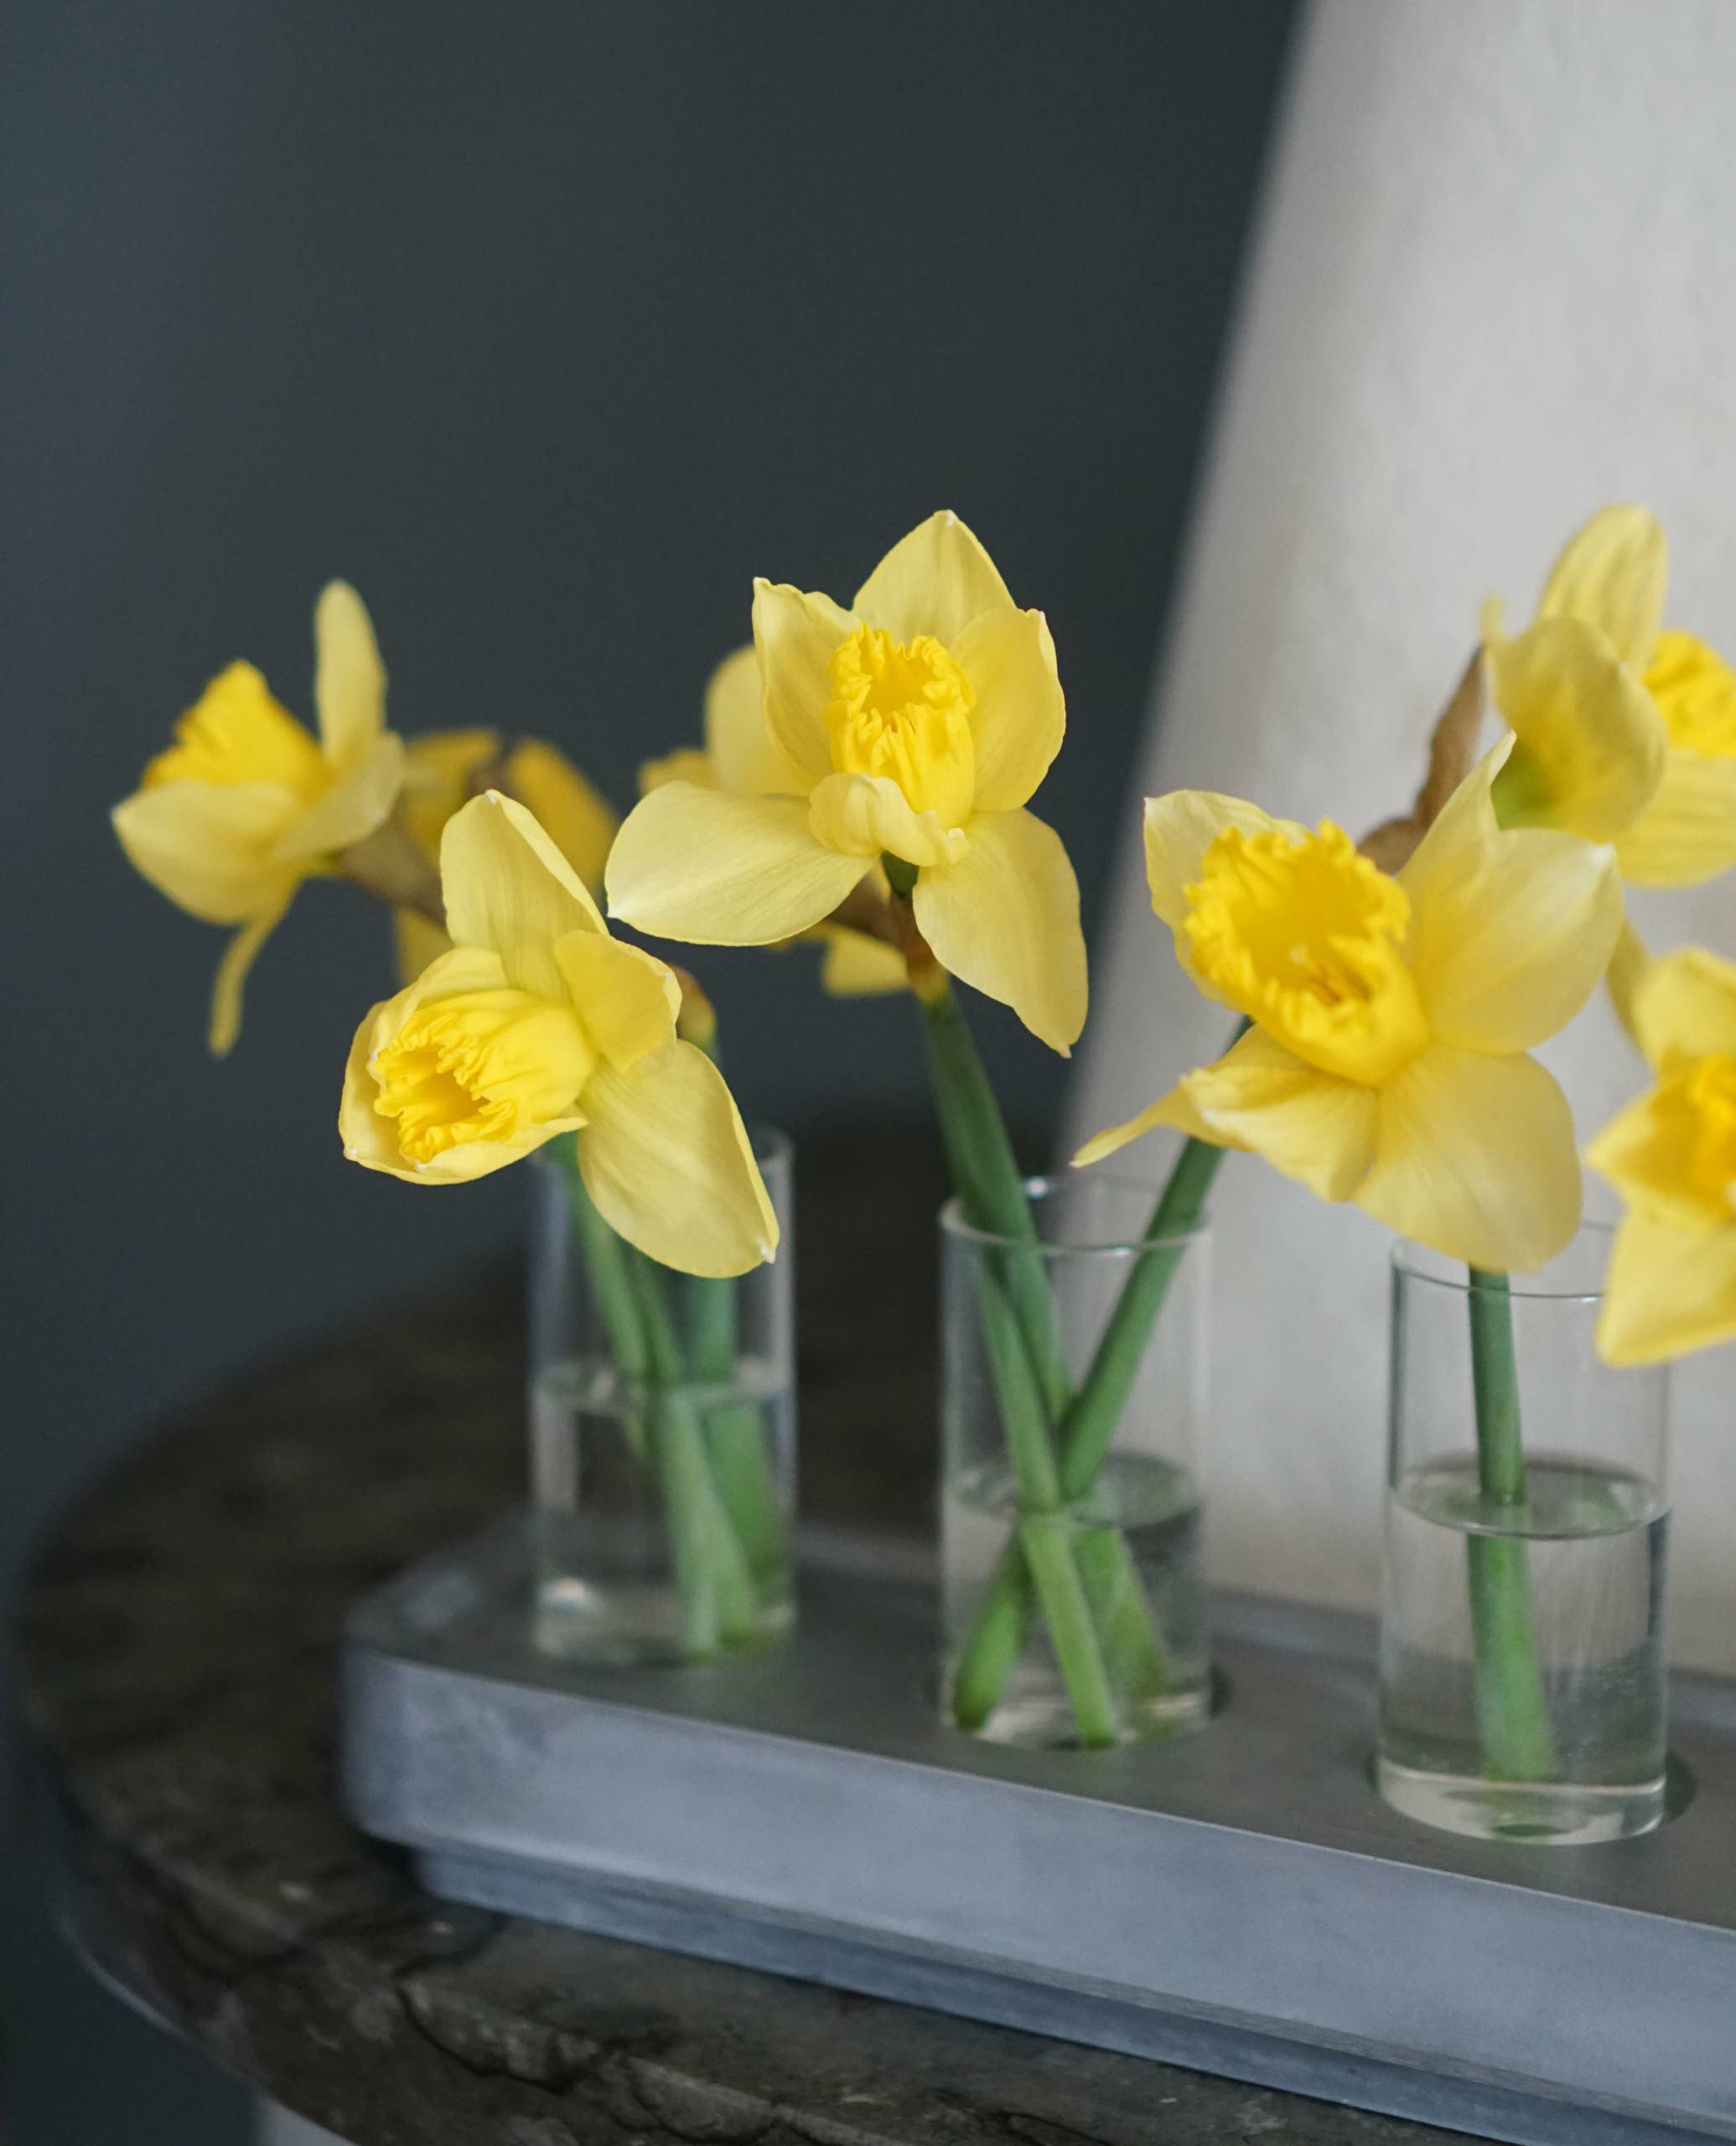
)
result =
(1695, 690)
(236, 732)
(902, 710)
(484, 1065)
(1303, 935)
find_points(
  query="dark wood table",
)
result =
(178, 1635)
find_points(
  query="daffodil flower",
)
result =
(247, 804)
(1671, 1155)
(538, 1024)
(1625, 730)
(1392, 1018)
(444, 769)
(741, 757)
(914, 726)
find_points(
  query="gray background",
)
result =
(548, 327)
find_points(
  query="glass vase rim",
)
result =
(1107, 1244)
(770, 1144)
(1407, 1259)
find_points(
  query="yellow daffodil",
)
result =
(1625, 729)
(1671, 1155)
(443, 769)
(740, 756)
(914, 726)
(1388, 1061)
(247, 803)
(538, 1024)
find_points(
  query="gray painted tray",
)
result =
(1239, 1901)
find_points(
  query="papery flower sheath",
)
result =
(536, 1025)
(444, 769)
(916, 725)
(1671, 1155)
(1388, 1062)
(1625, 729)
(741, 757)
(247, 803)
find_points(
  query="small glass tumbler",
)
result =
(662, 1415)
(1523, 1666)
(1073, 1403)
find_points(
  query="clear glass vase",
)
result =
(1523, 1677)
(662, 1413)
(1073, 1598)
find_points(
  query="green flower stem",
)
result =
(1512, 1706)
(716, 1589)
(1027, 1360)
(606, 1260)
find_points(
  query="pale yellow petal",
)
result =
(1474, 1157)
(439, 766)
(238, 957)
(208, 846)
(1310, 1125)
(1648, 1152)
(573, 812)
(1684, 1006)
(1627, 964)
(627, 999)
(1667, 1292)
(1510, 930)
(1181, 827)
(686, 764)
(1020, 716)
(1174, 1110)
(357, 803)
(417, 939)
(1687, 833)
(858, 965)
(508, 887)
(1005, 919)
(1591, 744)
(668, 1163)
(348, 677)
(797, 636)
(1612, 577)
(745, 757)
(864, 816)
(723, 871)
(933, 581)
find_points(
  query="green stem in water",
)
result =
(1512, 1705)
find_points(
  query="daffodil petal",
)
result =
(1646, 1151)
(1474, 1157)
(439, 766)
(933, 581)
(1684, 1006)
(627, 999)
(1020, 716)
(796, 635)
(208, 846)
(1667, 1292)
(1687, 833)
(1611, 576)
(508, 887)
(1175, 1110)
(722, 871)
(686, 764)
(745, 757)
(864, 816)
(356, 804)
(1311, 1125)
(667, 1161)
(1591, 744)
(1627, 964)
(858, 966)
(348, 677)
(575, 816)
(1511, 932)
(1005, 918)
(417, 940)
(1181, 827)
(238, 957)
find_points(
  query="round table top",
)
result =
(179, 1636)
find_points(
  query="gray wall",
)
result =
(548, 327)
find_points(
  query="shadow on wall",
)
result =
(549, 328)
